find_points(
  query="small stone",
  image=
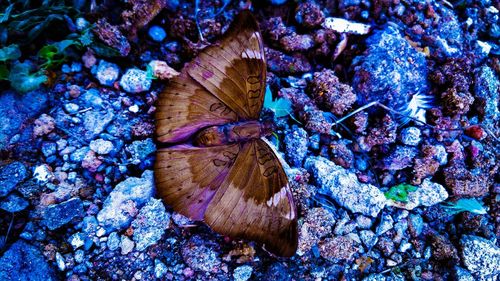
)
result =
(107, 73)
(71, 108)
(139, 150)
(317, 224)
(157, 33)
(343, 186)
(480, 256)
(79, 154)
(14, 203)
(10, 176)
(150, 224)
(296, 146)
(100, 232)
(134, 108)
(135, 81)
(49, 148)
(122, 203)
(77, 240)
(410, 136)
(338, 248)
(162, 70)
(89, 225)
(60, 262)
(385, 224)
(44, 125)
(101, 146)
(79, 256)
(126, 244)
(43, 173)
(113, 242)
(200, 254)
(55, 216)
(160, 269)
(242, 273)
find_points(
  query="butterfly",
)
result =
(219, 168)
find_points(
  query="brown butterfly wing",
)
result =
(235, 69)
(185, 106)
(255, 202)
(188, 177)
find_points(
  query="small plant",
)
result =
(471, 205)
(400, 192)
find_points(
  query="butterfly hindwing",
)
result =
(184, 107)
(234, 70)
(187, 177)
(255, 202)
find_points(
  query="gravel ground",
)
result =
(381, 196)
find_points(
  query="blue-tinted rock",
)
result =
(157, 33)
(55, 216)
(390, 71)
(122, 203)
(49, 148)
(343, 186)
(77, 240)
(487, 96)
(101, 146)
(242, 273)
(480, 256)
(78, 155)
(23, 261)
(410, 136)
(402, 157)
(113, 241)
(139, 150)
(160, 269)
(95, 122)
(296, 142)
(135, 81)
(10, 176)
(92, 98)
(150, 224)
(14, 203)
(16, 112)
(107, 73)
(200, 254)
(89, 225)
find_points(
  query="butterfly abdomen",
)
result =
(232, 133)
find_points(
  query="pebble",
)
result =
(101, 146)
(141, 149)
(107, 73)
(113, 242)
(71, 108)
(480, 256)
(386, 224)
(135, 81)
(199, 254)
(14, 203)
(162, 70)
(95, 122)
(55, 216)
(126, 245)
(43, 173)
(60, 262)
(242, 273)
(134, 108)
(120, 206)
(150, 224)
(157, 33)
(160, 269)
(10, 176)
(89, 225)
(49, 148)
(296, 142)
(79, 256)
(344, 187)
(410, 136)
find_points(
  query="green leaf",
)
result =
(400, 192)
(22, 80)
(10, 52)
(464, 205)
(281, 107)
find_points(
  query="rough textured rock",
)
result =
(480, 256)
(150, 224)
(55, 216)
(10, 176)
(122, 203)
(344, 187)
(23, 261)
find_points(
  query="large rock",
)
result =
(10, 176)
(123, 202)
(343, 186)
(16, 111)
(150, 224)
(480, 256)
(23, 261)
(55, 216)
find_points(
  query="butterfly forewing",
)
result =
(235, 69)
(187, 177)
(184, 107)
(255, 202)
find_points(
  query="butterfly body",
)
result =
(232, 133)
(217, 167)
